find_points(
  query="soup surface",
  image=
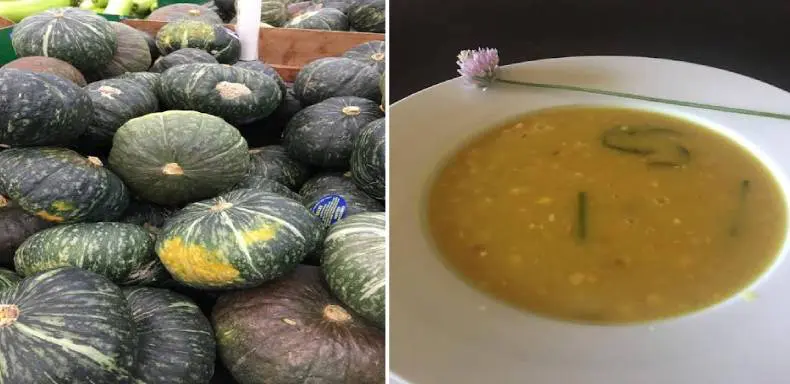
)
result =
(607, 215)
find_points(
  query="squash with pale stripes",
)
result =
(8, 278)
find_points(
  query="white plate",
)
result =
(443, 331)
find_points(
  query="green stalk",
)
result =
(16, 10)
(119, 7)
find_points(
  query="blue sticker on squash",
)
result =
(330, 208)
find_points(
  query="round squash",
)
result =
(239, 239)
(260, 183)
(273, 162)
(367, 15)
(184, 11)
(43, 109)
(226, 9)
(182, 56)
(176, 343)
(16, 225)
(237, 95)
(51, 65)
(131, 55)
(354, 262)
(327, 19)
(81, 38)
(116, 101)
(61, 186)
(8, 278)
(274, 12)
(372, 53)
(308, 334)
(323, 134)
(215, 39)
(66, 325)
(336, 76)
(266, 69)
(369, 159)
(149, 79)
(120, 252)
(176, 157)
(334, 196)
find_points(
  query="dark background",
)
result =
(748, 37)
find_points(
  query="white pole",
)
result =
(248, 13)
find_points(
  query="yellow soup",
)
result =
(607, 215)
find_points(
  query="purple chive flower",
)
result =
(478, 67)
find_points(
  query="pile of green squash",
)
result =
(170, 214)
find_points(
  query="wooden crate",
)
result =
(287, 50)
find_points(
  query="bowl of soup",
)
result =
(548, 236)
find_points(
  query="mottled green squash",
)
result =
(327, 19)
(8, 279)
(336, 76)
(131, 55)
(121, 252)
(266, 69)
(334, 196)
(239, 239)
(368, 15)
(372, 53)
(260, 183)
(149, 79)
(273, 162)
(116, 101)
(185, 11)
(176, 157)
(274, 12)
(369, 159)
(16, 225)
(182, 56)
(61, 186)
(41, 109)
(323, 134)
(292, 330)
(66, 325)
(237, 95)
(81, 38)
(176, 343)
(51, 65)
(215, 39)
(354, 262)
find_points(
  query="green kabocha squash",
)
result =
(66, 325)
(274, 12)
(182, 56)
(8, 278)
(215, 39)
(336, 76)
(372, 53)
(340, 5)
(309, 335)
(237, 95)
(260, 183)
(184, 11)
(121, 252)
(273, 162)
(149, 79)
(131, 55)
(368, 15)
(116, 101)
(41, 109)
(51, 65)
(334, 196)
(81, 38)
(239, 239)
(176, 343)
(268, 70)
(354, 262)
(327, 19)
(369, 159)
(176, 157)
(323, 134)
(16, 225)
(61, 186)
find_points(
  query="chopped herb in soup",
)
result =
(607, 215)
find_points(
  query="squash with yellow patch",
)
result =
(215, 39)
(240, 239)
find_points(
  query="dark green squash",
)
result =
(182, 56)
(354, 262)
(131, 55)
(269, 131)
(66, 325)
(149, 79)
(369, 159)
(51, 65)
(239, 239)
(368, 15)
(176, 157)
(273, 162)
(340, 5)
(334, 196)
(274, 12)
(60, 185)
(266, 69)
(237, 95)
(16, 225)
(323, 134)
(185, 11)
(372, 53)
(43, 109)
(327, 19)
(121, 252)
(336, 76)
(176, 343)
(215, 39)
(260, 183)
(8, 278)
(153, 50)
(226, 9)
(116, 101)
(292, 330)
(81, 38)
